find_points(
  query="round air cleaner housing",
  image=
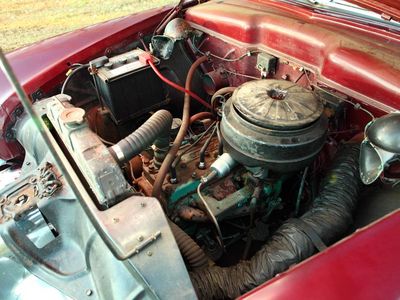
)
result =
(273, 123)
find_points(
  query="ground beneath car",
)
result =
(23, 22)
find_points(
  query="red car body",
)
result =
(360, 60)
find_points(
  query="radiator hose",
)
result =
(191, 252)
(155, 130)
(329, 218)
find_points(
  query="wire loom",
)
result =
(329, 216)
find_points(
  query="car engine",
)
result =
(201, 162)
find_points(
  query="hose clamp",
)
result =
(118, 153)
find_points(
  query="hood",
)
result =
(389, 9)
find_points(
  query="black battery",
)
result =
(128, 87)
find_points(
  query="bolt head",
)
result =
(19, 111)
(149, 253)
(9, 135)
(89, 292)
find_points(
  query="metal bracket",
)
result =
(25, 195)
(146, 242)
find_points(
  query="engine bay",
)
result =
(253, 160)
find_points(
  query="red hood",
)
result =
(389, 9)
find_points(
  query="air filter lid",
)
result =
(276, 104)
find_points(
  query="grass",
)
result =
(24, 22)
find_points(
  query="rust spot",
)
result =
(224, 189)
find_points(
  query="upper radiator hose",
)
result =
(156, 129)
(329, 218)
